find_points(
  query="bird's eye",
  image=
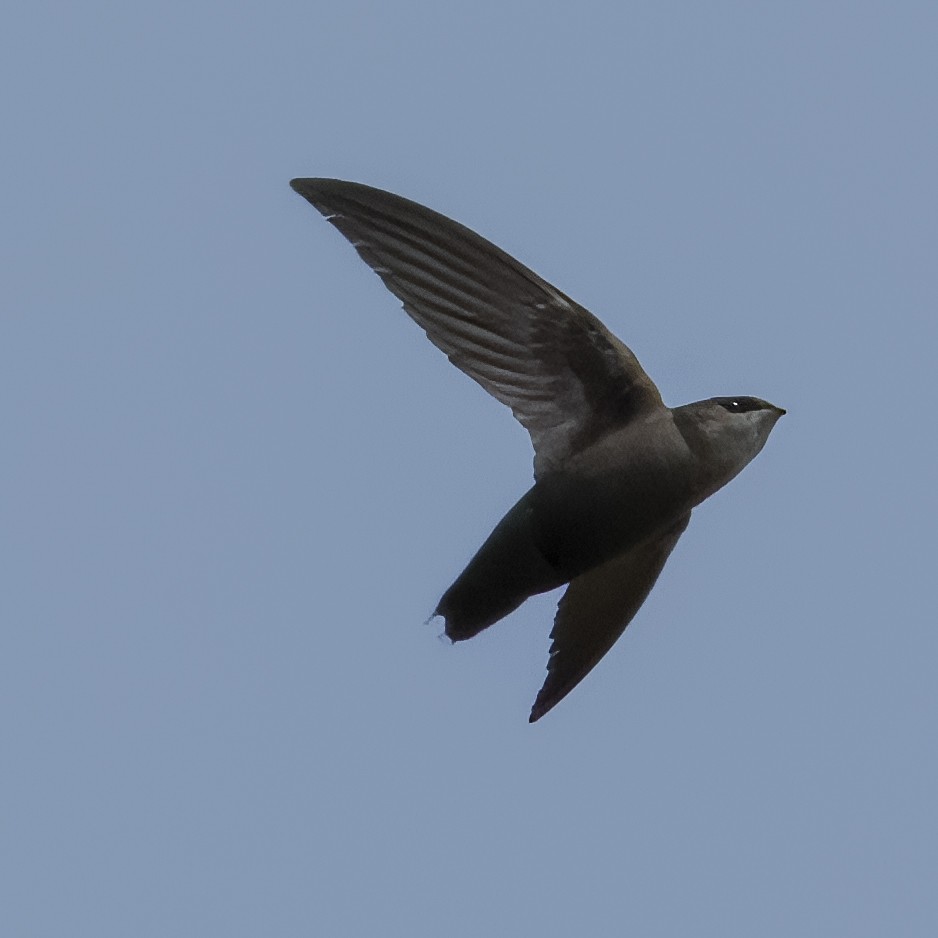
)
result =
(739, 405)
(732, 404)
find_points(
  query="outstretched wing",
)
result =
(565, 377)
(595, 610)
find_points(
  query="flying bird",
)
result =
(616, 472)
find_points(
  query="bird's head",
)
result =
(726, 434)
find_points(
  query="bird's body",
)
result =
(617, 473)
(573, 520)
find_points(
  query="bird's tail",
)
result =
(507, 569)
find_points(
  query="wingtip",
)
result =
(309, 186)
(540, 707)
(321, 193)
(305, 186)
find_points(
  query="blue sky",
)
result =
(236, 478)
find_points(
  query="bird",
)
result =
(617, 473)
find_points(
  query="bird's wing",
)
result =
(595, 610)
(565, 377)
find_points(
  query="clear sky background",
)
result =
(235, 478)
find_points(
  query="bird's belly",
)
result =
(579, 523)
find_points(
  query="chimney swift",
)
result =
(616, 472)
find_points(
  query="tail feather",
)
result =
(468, 608)
(507, 569)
